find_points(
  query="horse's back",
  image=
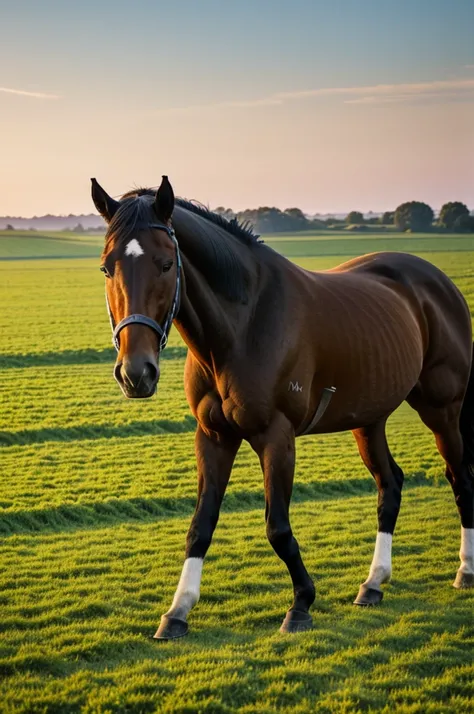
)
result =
(402, 268)
(436, 302)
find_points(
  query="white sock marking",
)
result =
(466, 553)
(187, 592)
(134, 248)
(381, 568)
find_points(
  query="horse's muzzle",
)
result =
(137, 377)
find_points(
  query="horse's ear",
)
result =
(164, 200)
(106, 205)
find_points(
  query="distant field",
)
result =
(96, 498)
(30, 244)
(343, 243)
(18, 244)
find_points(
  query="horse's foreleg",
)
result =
(388, 476)
(276, 451)
(215, 457)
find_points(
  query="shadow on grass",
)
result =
(361, 651)
(92, 432)
(109, 512)
(85, 356)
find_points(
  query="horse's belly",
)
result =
(373, 372)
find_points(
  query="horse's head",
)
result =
(142, 267)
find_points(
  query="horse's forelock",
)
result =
(134, 210)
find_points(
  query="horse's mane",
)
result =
(217, 258)
(135, 212)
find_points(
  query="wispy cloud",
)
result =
(25, 93)
(449, 90)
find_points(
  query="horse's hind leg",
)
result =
(388, 476)
(444, 422)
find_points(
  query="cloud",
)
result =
(24, 93)
(388, 92)
(449, 90)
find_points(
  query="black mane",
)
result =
(243, 231)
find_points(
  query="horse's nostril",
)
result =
(151, 371)
(118, 372)
(135, 374)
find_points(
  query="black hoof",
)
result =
(297, 621)
(367, 597)
(463, 581)
(171, 628)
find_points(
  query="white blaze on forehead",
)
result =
(134, 248)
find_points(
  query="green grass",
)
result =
(15, 245)
(96, 497)
(341, 243)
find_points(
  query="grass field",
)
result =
(97, 494)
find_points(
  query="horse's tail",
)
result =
(466, 422)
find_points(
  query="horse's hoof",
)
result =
(171, 628)
(463, 581)
(367, 597)
(297, 621)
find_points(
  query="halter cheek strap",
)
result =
(139, 319)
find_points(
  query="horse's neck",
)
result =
(204, 321)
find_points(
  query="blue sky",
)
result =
(328, 106)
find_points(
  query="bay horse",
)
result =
(276, 352)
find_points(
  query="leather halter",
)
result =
(139, 319)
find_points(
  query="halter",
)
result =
(137, 318)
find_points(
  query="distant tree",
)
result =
(387, 218)
(464, 224)
(316, 224)
(9, 227)
(298, 219)
(414, 215)
(355, 217)
(450, 212)
(78, 229)
(269, 219)
(226, 212)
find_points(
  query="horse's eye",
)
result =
(104, 270)
(167, 266)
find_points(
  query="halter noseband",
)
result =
(137, 318)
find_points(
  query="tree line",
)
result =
(414, 216)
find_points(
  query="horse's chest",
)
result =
(245, 412)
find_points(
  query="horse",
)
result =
(276, 352)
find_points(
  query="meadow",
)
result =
(97, 494)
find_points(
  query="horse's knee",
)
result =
(281, 539)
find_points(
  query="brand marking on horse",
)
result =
(294, 387)
(134, 248)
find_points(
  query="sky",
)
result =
(327, 106)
